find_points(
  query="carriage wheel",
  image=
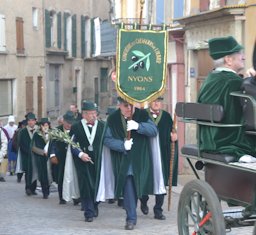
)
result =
(199, 210)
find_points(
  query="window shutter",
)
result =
(2, 33)
(65, 30)
(82, 36)
(74, 36)
(59, 30)
(92, 37)
(20, 35)
(47, 29)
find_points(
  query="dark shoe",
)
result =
(96, 212)
(28, 192)
(76, 201)
(129, 226)
(160, 217)
(34, 193)
(144, 209)
(62, 202)
(18, 180)
(111, 201)
(45, 196)
(2, 179)
(89, 219)
(120, 202)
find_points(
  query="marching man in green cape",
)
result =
(127, 162)
(87, 133)
(224, 79)
(161, 161)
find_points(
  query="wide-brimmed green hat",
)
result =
(69, 117)
(44, 120)
(220, 47)
(30, 116)
(88, 105)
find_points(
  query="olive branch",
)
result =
(142, 57)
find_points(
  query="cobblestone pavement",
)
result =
(23, 215)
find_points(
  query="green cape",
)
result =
(138, 157)
(216, 90)
(86, 171)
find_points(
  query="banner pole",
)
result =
(132, 106)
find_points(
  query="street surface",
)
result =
(23, 215)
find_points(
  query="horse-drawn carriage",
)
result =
(200, 205)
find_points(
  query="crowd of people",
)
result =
(125, 157)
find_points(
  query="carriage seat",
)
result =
(192, 150)
(202, 114)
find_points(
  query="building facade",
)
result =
(52, 54)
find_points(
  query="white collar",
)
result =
(220, 69)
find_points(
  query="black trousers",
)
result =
(159, 201)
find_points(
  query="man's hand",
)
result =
(174, 136)
(128, 144)
(132, 125)
(250, 72)
(54, 160)
(85, 157)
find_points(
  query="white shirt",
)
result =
(10, 129)
(3, 149)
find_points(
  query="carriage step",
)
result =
(235, 218)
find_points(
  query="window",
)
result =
(6, 93)
(67, 33)
(35, 18)
(103, 80)
(53, 18)
(52, 33)
(20, 35)
(2, 33)
(85, 37)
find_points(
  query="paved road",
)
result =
(23, 215)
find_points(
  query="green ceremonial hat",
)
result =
(121, 100)
(220, 47)
(44, 120)
(31, 116)
(88, 105)
(69, 117)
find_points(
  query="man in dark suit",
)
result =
(25, 137)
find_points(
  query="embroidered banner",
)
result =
(141, 64)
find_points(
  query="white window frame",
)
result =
(69, 35)
(2, 34)
(35, 17)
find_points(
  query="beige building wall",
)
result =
(19, 66)
(37, 61)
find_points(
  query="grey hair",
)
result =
(219, 62)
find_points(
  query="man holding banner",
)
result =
(131, 160)
(126, 162)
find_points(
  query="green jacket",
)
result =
(216, 90)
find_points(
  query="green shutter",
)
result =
(92, 37)
(65, 30)
(47, 29)
(82, 36)
(74, 36)
(59, 29)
